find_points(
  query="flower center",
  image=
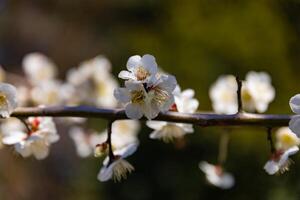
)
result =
(35, 125)
(3, 101)
(141, 73)
(160, 96)
(246, 96)
(174, 108)
(137, 96)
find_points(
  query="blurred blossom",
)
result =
(119, 167)
(8, 99)
(84, 143)
(9, 125)
(23, 93)
(37, 140)
(286, 145)
(295, 121)
(286, 139)
(47, 93)
(223, 95)
(124, 132)
(92, 83)
(184, 103)
(257, 93)
(38, 68)
(216, 176)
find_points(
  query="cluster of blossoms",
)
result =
(147, 92)
(257, 92)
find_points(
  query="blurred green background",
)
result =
(196, 40)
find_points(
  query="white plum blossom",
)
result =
(167, 131)
(286, 145)
(223, 94)
(124, 132)
(47, 93)
(280, 161)
(286, 139)
(257, 92)
(9, 125)
(8, 99)
(295, 121)
(23, 95)
(104, 92)
(91, 83)
(38, 68)
(148, 101)
(140, 69)
(118, 168)
(35, 141)
(83, 141)
(216, 176)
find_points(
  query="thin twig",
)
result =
(239, 94)
(223, 147)
(25, 124)
(270, 139)
(108, 141)
(200, 119)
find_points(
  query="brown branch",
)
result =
(200, 119)
(239, 94)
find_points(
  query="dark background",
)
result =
(196, 40)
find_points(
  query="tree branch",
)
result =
(200, 119)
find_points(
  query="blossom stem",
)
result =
(200, 119)
(223, 147)
(270, 139)
(239, 94)
(25, 124)
(108, 141)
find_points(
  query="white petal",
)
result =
(14, 138)
(133, 62)
(188, 93)
(149, 63)
(133, 111)
(294, 125)
(156, 125)
(106, 173)
(227, 181)
(40, 150)
(122, 95)
(23, 148)
(126, 75)
(127, 150)
(295, 103)
(271, 167)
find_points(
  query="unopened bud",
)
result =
(100, 149)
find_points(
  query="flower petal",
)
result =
(294, 125)
(14, 138)
(149, 63)
(133, 62)
(122, 95)
(133, 111)
(295, 103)
(126, 75)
